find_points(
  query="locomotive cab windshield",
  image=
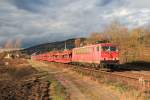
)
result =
(109, 48)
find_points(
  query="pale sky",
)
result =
(39, 21)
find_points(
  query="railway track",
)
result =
(136, 80)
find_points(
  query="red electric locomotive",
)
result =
(99, 54)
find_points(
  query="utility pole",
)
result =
(65, 46)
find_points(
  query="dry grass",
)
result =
(124, 92)
(58, 92)
(18, 73)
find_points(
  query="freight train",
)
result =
(98, 55)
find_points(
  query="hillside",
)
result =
(60, 45)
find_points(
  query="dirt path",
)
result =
(79, 88)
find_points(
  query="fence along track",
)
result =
(138, 81)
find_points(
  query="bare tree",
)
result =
(93, 38)
(8, 44)
(131, 43)
(77, 42)
(17, 43)
(116, 32)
